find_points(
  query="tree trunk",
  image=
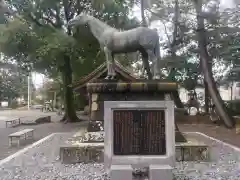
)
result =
(231, 88)
(205, 57)
(69, 109)
(144, 22)
(173, 71)
(145, 58)
(177, 100)
(206, 98)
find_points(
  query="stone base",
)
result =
(160, 172)
(192, 150)
(82, 152)
(87, 149)
(83, 147)
(120, 172)
(95, 126)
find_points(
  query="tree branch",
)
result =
(66, 9)
(58, 19)
(67, 15)
(165, 29)
(49, 21)
(30, 15)
(33, 19)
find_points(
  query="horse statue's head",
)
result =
(4, 8)
(80, 19)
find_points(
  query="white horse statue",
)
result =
(113, 41)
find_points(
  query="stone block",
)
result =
(237, 120)
(93, 137)
(81, 152)
(192, 151)
(45, 119)
(121, 172)
(160, 172)
(34, 120)
(95, 126)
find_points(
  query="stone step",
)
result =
(192, 150)
(81, 150)
(155, 172)
(83, 136)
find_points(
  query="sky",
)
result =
(38, 79)
(227, 3)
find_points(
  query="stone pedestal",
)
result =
(138, 124)
(121, 172)
(89, 147)
(142, 90)
(139, 133)
(160, 172)
(81, 152)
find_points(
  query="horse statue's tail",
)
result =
(158, 54)
(157, 50)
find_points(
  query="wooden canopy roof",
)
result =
(100, 71)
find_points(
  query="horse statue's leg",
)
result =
(146, 64)
(110, 68)
(113, 64)
(155, 61)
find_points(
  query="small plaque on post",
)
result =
(139, 132)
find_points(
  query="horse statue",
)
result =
(113, 41)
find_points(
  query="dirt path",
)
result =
(218, 132)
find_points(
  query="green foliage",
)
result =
(222, 31)
(233, 107)
(13, 84)
(38, 36)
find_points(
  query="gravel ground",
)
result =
(41, 163)
(224, 165)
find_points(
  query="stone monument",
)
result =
(139, 133)
(113, 41)
(90, 147)
(138, 116)
(138, 124)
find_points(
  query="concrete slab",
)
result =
(37, 119)
(22, 151)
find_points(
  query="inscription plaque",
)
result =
(139, 132)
